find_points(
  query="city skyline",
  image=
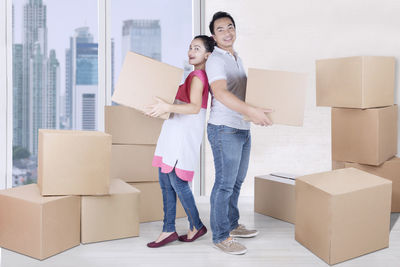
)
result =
(58, 88)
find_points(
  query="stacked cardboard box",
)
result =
(345, 213)
(73, 190)
(113, 216)
(38, 226)
(134, 139)
(360, 91)
(390, 170)
(342, 214)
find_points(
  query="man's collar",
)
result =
(222, 51)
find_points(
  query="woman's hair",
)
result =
(208, 42)
(220, 15)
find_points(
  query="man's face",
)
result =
(224, 33)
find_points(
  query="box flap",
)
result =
(117, 186)
(29, 193)
(280, 179)
(343, 181)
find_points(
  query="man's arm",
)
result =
(255, 114)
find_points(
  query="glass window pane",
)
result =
(155, 28)
(55, 74)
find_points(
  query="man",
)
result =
(229, 134)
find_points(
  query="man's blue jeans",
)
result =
(231, 150)
(172, 185)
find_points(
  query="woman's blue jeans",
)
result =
(172, 185)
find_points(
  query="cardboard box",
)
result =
(74, 162)
(38, 226)
(151, 202)
(128, 126)
(389, 170)
(283, 91)
(342, 214)
(113, 216)
(338, 165)
(132, 163)
(355, 82)
(274, 196)
(143, 78)
(367, 136)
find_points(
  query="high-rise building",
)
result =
(17, 94)
(81, 80)
(34, 72)
(67, 120)
(86, 105)
(51, 97)
(142, 37)
(112, 65)
(37, 90)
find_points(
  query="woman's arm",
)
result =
(196, 97)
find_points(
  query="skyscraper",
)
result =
(17, 94)
(68, 85)
(52, 98)
(142, 37)
(82, 80)
(34, 70)
(37, 72)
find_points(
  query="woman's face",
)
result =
(197, 52)
(224, 33)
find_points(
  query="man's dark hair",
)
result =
(208, 42)
(220, 15)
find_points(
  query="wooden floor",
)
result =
(274, 246)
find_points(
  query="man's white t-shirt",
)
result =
(222, 65)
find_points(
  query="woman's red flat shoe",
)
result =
(169, 239)
(202, 231)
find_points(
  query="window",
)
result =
(66, 56)
(55, 74)
(158, 29)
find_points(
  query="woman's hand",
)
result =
(157, 109)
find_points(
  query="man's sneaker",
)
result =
(241, 231)
(231, 246)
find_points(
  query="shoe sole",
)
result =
(232, 252)
(245, 236)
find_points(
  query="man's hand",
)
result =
(259, 117)
(157, 109)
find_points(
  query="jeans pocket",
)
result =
(227, 130)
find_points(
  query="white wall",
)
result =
(290, 35)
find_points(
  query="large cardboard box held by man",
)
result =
(342, 214)
(113, 216)
(390, 170)
(274, 196)
(283, 91)
(133, 163)
(74, 162)
(38, 226)
(355, 82)
(129, 126)
(143, 78)
(151, 202)
(367, 136)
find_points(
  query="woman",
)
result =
(178, 146)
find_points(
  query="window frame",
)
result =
(3, 94)
(104, 80)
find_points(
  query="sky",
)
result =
(64, 16)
